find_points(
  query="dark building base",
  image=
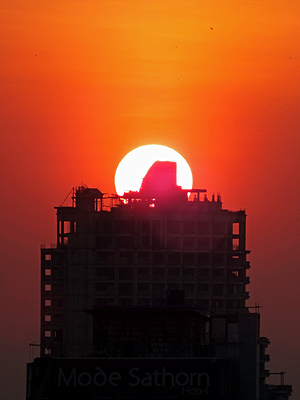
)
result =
(95, 378)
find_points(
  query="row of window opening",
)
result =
(128, 273)
(146, 227)
(144, 287)
(169, 242)
(163, 258)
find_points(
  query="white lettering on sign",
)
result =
(192, 391)
(100, 378)
(159, 378)
(164, 378)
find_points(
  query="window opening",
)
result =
(236, 228)
(235, 244)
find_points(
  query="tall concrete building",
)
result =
(154, 283)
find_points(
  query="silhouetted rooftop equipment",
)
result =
(159, 183)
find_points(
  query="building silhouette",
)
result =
(144, 297)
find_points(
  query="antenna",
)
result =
(71, 191)
(31, 345)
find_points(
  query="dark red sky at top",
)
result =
(84, 83)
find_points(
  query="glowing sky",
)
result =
(85, 82)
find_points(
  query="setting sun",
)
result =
(134, 166)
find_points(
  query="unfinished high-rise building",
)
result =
(155, 281)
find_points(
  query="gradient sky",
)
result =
(84, 82)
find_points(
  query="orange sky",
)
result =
(85, 82)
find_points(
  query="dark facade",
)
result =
(153, 283)
(190, 253)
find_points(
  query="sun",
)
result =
(134, 166)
